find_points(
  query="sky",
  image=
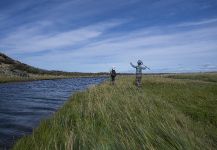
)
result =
(94, 35)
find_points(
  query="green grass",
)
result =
(210, 77)
(165, 113)
(6, 79)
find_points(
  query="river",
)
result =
(23, 105)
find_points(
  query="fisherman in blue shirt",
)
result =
(139, 69)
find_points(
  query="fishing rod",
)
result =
(147, 67)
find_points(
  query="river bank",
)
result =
(165, 113)
(14, 71)
(8, 79)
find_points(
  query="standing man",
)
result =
(113, 75)
(139, 69)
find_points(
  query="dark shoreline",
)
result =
(19, 80)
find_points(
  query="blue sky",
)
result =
(94, 35)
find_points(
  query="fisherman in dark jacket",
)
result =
(113, 75)
(139, 69)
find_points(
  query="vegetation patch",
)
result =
(165, 113)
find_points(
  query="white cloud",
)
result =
(196, 23)
(33, 38)
(157, 50)
(208, 66)
(90, 46)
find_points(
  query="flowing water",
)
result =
(24, 105)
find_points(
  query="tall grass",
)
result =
(163, 114)
(210, 77)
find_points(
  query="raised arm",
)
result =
(132, 65)
(145, 67)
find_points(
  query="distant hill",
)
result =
(11, 67)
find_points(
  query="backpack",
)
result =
(113, 73)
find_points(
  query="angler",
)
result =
(139, 69)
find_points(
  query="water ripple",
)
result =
(24, 105)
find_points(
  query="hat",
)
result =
(139, 62)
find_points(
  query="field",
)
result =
(167, 112)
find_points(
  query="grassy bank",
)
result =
(166, 113)
(211, 77)
(6, 79)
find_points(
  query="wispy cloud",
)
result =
(154, 48)
(208, 67)
(35, 39)
(196, 23)
(98, 34)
